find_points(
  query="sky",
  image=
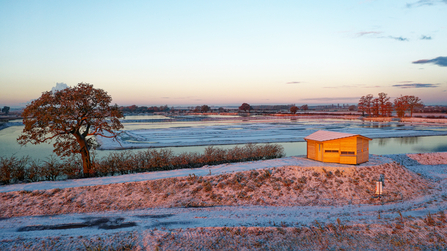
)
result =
(225, 52)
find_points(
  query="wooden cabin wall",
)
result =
(365, 150)
(311, 150)
(362, 150)
(331, 151)
(348, 145)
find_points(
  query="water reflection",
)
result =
(399, 141)
(439, 148)
(376, 125)
(407, 140)
(382, 141)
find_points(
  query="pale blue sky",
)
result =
(225, 52)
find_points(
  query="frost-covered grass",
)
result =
(439, 158)
(282, 186)
(401, 233)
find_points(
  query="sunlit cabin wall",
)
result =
(362, 150)
(348, 150)
(311, 150)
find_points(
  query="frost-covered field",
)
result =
(263, 131)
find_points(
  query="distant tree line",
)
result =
(24, 169)
(144, 109)
(294, 109)
(435, 109)
(383, 107)
(245, 107)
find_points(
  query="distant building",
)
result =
(337, 147)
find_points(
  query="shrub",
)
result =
(72, 167)
(6, 169)
(34, 170)
(51, 168)
(12, 168)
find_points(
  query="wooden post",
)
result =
(379, 188)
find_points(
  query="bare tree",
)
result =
(401, 105)
(205, 108)
(71, 118)
(414, 103)
(388, 109)
(245, 107)
(304, 107)
(365, 104)
(382, 100)
(362, 105)
(294, 109)
(197, 109)
(375, 107)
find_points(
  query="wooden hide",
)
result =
(338, 147)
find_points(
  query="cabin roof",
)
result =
(328, 135)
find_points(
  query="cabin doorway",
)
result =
(320, 152)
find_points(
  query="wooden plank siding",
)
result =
(311, 151)
(347, 150)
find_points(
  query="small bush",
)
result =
(12, 168)
(34, 170)
(51, 168)
(72, 168)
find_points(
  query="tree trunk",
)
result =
(85, 153)
(86, 162)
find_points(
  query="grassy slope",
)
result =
(284, 186)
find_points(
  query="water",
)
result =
(9, 146)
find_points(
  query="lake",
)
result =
(379, 146)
